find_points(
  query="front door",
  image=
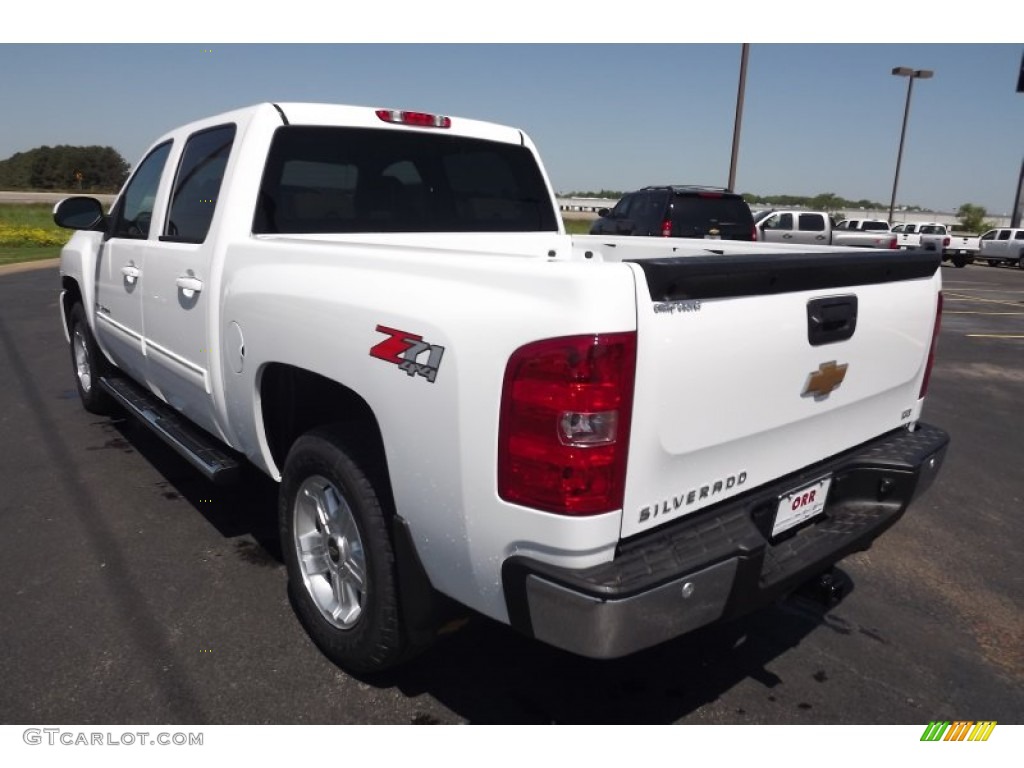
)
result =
(777, 228)
(121, 266)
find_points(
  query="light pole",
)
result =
(912, 75)
(744, 53)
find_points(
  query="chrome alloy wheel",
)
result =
(83, 369)
(329, 551)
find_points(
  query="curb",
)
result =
(28, 266)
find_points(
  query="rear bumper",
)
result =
(721, 563)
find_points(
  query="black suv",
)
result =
(679, 211)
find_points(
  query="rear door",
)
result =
(811, 229)
(179, 294)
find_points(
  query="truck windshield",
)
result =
(325, 180)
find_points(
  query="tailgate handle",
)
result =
(831, 319)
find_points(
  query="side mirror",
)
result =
(79, 213)
(602, 212)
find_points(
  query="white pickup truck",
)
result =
(605, 442)
(817, 228)
(932, 236)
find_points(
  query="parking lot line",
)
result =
(961, 297)
(966, 312)
(994, 336)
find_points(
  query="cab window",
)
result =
(135, 208)
(197, 184)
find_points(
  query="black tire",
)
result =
(993, 262)
(959, 261)
(88, 364)
(1020, 261)
(330, 511)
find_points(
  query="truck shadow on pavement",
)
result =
(485, 672)
(245, 512)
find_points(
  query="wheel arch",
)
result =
(70, 295)
(294, 401)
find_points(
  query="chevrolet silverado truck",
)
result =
(817, 228)
(932, 236)
(605, 442)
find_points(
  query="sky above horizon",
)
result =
(817, 117)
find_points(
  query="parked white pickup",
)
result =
(933, 236)
(603, 441)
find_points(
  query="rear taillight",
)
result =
(666, 228)
(931, 351)
(945, 242)
(753, 235)
(417, 119)
(566, 408)
(892, 244)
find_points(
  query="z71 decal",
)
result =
(404, 349)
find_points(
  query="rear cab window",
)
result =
(346, 180)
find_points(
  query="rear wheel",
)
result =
(959, 261)
(88, 364)
(1020, 262)
(342, 574)
(993, 262)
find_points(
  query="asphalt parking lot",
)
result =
(133, 591)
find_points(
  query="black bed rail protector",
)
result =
(727, 276)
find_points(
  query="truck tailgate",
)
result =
(753, 366)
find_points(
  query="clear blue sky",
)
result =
(818, 117)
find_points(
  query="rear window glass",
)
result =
(324, 180)
(811, 222)
(698, 216)
(875, 226)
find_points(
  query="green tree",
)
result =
(61, 168)
(972, 218)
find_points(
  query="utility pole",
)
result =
(1016, 212)
(739, 115)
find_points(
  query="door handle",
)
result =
(131, 272)
(189, 283)
(788, 236)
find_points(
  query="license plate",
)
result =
(800, 505)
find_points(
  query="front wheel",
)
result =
(342, 575)
(1020, 262)
(88, 364)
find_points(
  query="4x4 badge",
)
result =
(824, 381)
(404, 350)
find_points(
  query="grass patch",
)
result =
(29, 226)
(578, 226)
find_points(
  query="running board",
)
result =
(199, 449)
